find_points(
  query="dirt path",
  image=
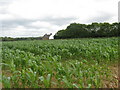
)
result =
(113, 82)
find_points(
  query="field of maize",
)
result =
(73, 63)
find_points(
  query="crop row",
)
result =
(75, 63)
(97, 49)
(24, 70)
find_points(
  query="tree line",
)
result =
(20, 38)
(76, 30)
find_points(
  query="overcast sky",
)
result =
(27, 18)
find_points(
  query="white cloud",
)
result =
(60, 8)
(41, 24)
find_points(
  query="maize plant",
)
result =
(73, 63)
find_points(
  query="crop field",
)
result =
(73, 63)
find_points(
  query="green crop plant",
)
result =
(73, 63)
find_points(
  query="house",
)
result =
(46, 36)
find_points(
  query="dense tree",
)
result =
(76, 30)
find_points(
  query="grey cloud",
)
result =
(104, 17)
(13, 23)
(7, 24)
(99, 0)
(4, 6)
(26, 23)
(59, 21)
(3, 11)
(6, 2)
(3, 2)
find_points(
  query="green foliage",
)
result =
(76, 30)
(75, 63)
(19, 39)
